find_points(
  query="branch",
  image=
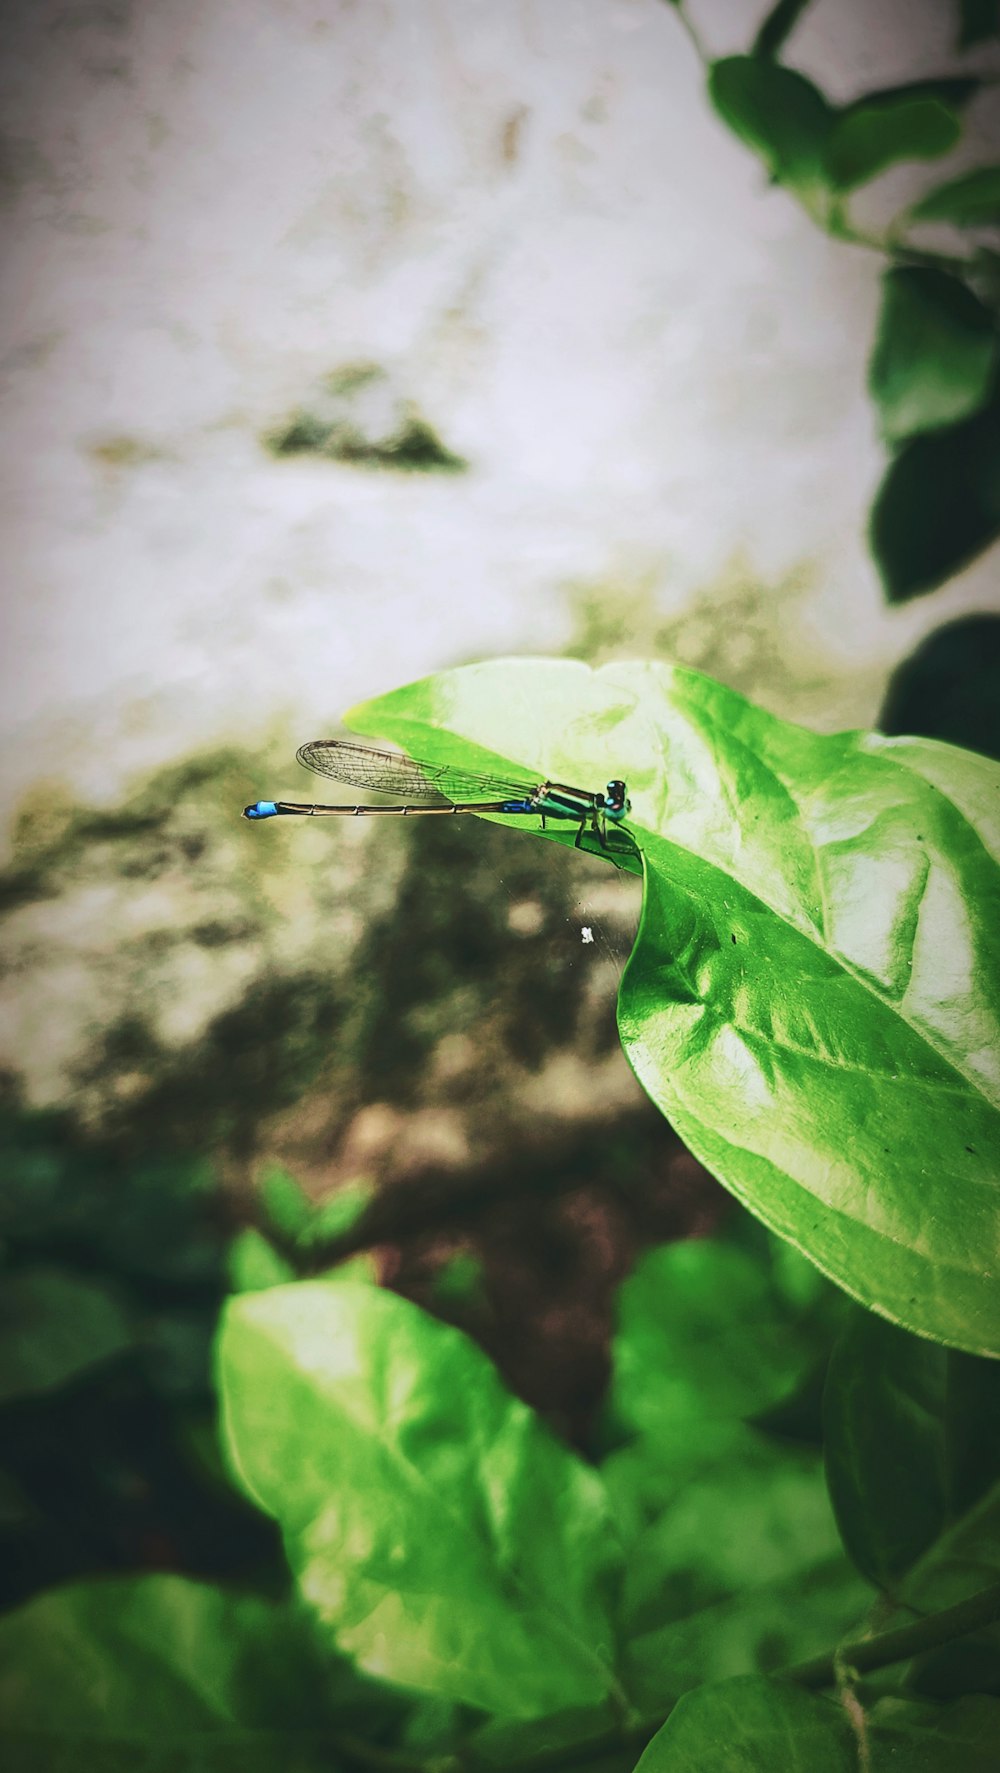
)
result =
(900, 1644)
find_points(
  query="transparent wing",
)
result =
(391, 772)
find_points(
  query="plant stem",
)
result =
(901, 1643)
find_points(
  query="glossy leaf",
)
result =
(778, 27)
(813, 995)
(778, 113)
(443, 1537)
(970, 201)
(874, 134)
(935, 355)
(54, 1327)
(938, 506)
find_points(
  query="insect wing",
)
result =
(392, 772)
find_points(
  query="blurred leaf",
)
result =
(978, 19)
(972, 200)
(935, 354)
(886, 1458)
(938, 506)
(778, 113)
(738, 1567)
(702, 1335)
(769, 1725)
(339, 1212)
(784, 1004)
(54, 1327)
(161, 1657)
(287, 1207)
(935, 1738)
(766, 1727)
(778, 26)
(953, 90)
(875, 133)
(442, 1536)
(962, 1563)
(228, 1751)
(949, 688)
(254, 1264)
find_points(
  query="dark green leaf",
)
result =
(218, 1751)
(947, 688)
(768, 1725)
(778, 26)
(935, 355)
(151, 1657)
(970, 201)
(957, 1738)
(963, 1563)
(870, 136)
(54, 1327)
(979, 19)
(813, 996)
(442, 1536)
(886, 1458)
(736, 1566)
(938, 506)
(779, 114)
(953, 90)
(765, 1727)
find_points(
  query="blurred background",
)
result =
(343, 343)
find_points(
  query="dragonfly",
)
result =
(440, 788)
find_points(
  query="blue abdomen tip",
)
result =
(261, 809)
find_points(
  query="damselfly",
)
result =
(441, 788)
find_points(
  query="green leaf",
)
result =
(947, 688)
(935, 355)
(884, 1418)
(767, 1725)
(703, 1335)
(778, 113)
(439, 1532)
(54, 1327)
(813, 995)
(912, 1441)
(814, 990)
(935, 1738)
(153, 1658)
(287, 1208)
(978, 19)
(738, 1566)
(778, 27)
(764, 1725)
(938, 506)
(963, 1563)
(875, 133)
(253, 1263)
(970, 201)
(228, 1751)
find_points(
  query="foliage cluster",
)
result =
(933, 372)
